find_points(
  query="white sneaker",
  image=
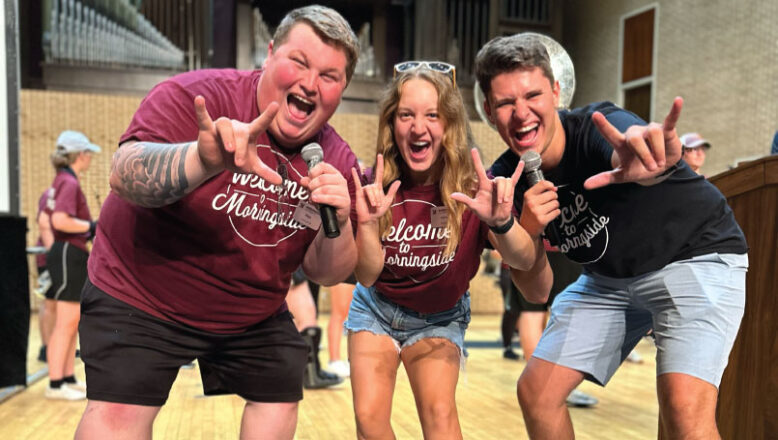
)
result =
(80, 386)
(634, 357)
(341, 368)
(64, 393)
(579, 398)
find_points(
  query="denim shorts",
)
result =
(370, 311)
(694, 307)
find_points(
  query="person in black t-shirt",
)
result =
(659, 246)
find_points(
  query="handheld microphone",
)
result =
(532, 162)
(312, 154)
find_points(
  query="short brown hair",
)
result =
(329, 25)
(506, 54)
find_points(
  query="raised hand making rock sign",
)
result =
(419, 247)
(642, 153)
(660, 247)
(209, 216)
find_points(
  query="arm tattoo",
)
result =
(149, 174)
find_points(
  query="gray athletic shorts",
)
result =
(694, 306)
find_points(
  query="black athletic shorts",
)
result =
(67, 267)
(132, 357)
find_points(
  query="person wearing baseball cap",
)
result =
(694, 149)
(72, 226)
(71, 141)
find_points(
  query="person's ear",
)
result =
(488, 110)
(269, 52)
(555, 91)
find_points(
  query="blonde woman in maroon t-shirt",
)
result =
(72, 227)
(419, 246)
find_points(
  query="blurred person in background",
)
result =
(48, 309)
(72, 227)
(340, 300)
(302, 302)
(694, 150)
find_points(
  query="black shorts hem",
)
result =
(272, 398)
(122, 398)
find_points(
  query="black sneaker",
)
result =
(510, 354)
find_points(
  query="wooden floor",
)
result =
(486, 401)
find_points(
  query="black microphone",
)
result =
(534, 175)
(313, 154)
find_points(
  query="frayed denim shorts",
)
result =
(370, 311)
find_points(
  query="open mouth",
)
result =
(299, 107)
(525, 136)
(418, 149)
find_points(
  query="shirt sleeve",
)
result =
(166, 115)
(66, 198)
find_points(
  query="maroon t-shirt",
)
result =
(221, 258)
(40, 259)
(417, 273)
(65, 195)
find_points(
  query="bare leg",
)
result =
(688, 407)
(70, 360)
(542, 390)
(374, 362)
(63, 340)
(269, 420)
(46, 316)
(433, 370)
(300, 303)
(531, 325)
(117, 421)
(340, 296)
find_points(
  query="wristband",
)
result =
(671, 169)
(92, 229)
(504, 228)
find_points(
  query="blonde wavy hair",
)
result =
(60, 159)
(458, 173)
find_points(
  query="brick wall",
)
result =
(721, 57)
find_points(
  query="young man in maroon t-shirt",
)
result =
(204, 227)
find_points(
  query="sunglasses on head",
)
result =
(437, 66)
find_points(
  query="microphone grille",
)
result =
(312, 151)
(531, 161)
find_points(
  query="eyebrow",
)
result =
(305, 58)
(430, 109)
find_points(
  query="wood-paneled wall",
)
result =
(748, 400)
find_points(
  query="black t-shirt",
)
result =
(625, 230)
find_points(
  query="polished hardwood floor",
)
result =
(486, 401)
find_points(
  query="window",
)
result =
(636, 84)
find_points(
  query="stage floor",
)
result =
(486, 402)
